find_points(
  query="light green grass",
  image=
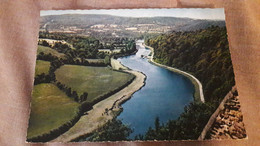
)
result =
(95, 60)
(42, 67)
(47, 50)
(93, 80)
(50, 108)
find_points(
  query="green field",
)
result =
(42, 67)
(95, 60)
(50, 108)
(47, 50)
(93, 80)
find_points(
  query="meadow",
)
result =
(51, 108)
(62, 92)
(96, 81)
(48, 50)
(42, 67)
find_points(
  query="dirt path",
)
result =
(117, 65)
(199, 85)
(98, 116)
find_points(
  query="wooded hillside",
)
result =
(203, 53)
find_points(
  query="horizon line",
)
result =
(189, 13)
(136, 17)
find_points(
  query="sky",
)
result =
(195, 13)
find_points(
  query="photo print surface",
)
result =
(134, 74)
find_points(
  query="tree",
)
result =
(122, 51)
(114, 130)
(107, 60)
(75, 96)
(188, 126)
(83, 97)
(68, 92)
(45, 43)
(204, 53)
(157, 124)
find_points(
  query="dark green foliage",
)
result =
(192, 121)
(188, 126)
(42, 78)
(72, 94)
(83, 52)
(86, 106)
(46, 57)
(44, 43)
(113, 130)
(203, 53)
(157, 124)
(87, 47)
(129, 50)
(75, 96)
(55, 64)
(83, 97)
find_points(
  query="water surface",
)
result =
(164, 95)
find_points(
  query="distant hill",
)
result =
(92, 19)
(199, 24)
(85, 21)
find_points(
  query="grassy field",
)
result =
(47, 50)
(42, 67)
(95, 60)
(94, 80)
(50, 108)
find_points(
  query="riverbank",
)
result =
(198, 95)
(104, 110)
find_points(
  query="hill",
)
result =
(205, 54)
(105, 25)
(83, 20)
(47, 50)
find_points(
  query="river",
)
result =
(164, 95)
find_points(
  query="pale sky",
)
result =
(195, 13)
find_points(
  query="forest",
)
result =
(89, 45)
(205, 54)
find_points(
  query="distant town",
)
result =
(115, 30)
(120, 27)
